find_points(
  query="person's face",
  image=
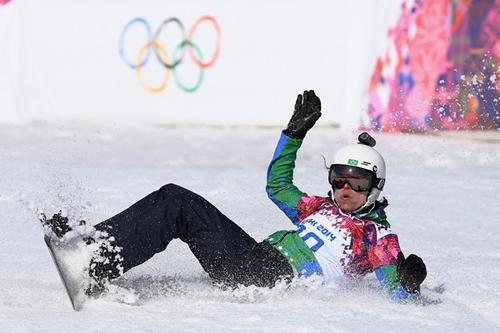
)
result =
(348, 199)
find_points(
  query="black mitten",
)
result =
(307, 112)
(411, 272)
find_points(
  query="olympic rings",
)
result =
(122, 41)
(153, 45)
(202, 72)
(157, 35)
(156, 46)
(217, 45)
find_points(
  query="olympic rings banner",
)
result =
(170, 60)
(185, 62)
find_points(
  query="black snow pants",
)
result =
(226, 252)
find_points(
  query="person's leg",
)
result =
(226, 252)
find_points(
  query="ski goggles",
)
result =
(360, 180)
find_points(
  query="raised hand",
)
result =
(307, 112)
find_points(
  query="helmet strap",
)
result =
(366, 204)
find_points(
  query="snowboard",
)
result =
(66, 260)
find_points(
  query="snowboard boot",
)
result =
(106, 264)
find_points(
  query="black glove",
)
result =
(411, 272)
(307, 111)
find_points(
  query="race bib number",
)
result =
(329, 242)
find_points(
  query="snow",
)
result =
(443, 194)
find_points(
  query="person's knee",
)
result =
(169, 187)
(174, 190)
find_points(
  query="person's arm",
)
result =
(400, 277)
(280, 188)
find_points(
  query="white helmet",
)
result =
(354, 159)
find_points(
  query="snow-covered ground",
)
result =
(444, 204)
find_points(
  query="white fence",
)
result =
(60, 60)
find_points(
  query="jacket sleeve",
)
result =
(383, 258)
(280, 188)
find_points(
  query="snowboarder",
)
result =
(345, 234)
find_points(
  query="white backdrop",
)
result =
(59, 60)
